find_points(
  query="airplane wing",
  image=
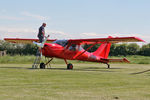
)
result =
(80, 41)
(25, 41)
(103, 40)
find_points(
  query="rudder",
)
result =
(103, 50)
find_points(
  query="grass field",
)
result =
(135, 59)
(86, 82)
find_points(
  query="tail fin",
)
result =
(103, 50)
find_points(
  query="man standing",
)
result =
(41, 33)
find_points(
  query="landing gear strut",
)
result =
(69, 66)
(108, 65)
(42, 65)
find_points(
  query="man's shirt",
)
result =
(41, 31)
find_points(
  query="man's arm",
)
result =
(43, 32)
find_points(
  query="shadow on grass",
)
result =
(18, 68)
(141, 72)
(98, 69)
(38, 84)
(104, 68)
(84, 69)
(13, 67)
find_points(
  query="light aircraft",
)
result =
(72, 49)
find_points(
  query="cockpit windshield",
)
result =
(61, 42)
(72, 47)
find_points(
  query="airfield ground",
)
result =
(86, 82)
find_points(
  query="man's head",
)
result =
(44, 24)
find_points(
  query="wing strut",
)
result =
(84, 51)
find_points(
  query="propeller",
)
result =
(41, 45)
(38, 44)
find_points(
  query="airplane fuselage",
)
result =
(77, 53)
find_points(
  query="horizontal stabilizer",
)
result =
(115, 60)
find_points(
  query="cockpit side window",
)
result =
(61, 42)
(72, 47)
(75, 47)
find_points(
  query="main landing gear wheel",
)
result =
(69, 66)
(42, 66)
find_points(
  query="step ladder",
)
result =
(37, 60)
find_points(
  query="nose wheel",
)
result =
(42, 66)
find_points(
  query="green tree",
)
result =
(145, 50)
(121, 49)
(21, 49)
(112, 50)
(94, 48)
(133, 49)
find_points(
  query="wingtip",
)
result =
(139, 39)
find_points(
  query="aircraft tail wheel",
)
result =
(42, 66)
(69, 66)
(108, 65)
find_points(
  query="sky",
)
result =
(67, 19)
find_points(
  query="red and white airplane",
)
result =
(72, 50)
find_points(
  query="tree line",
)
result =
(18, 49)
(116, 49)
(125, 49)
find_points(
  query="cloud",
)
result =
(3, 11)
(5, 16)
(16, 30)
(92, 35)
(38, 17)
(25, 14)
(55, 34)
(97, 35)
(11, 18)
(13, 32)
(145, 37)
(89, 34)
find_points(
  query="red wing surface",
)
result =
(81, 41)
(104, 40)
(26, 41)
